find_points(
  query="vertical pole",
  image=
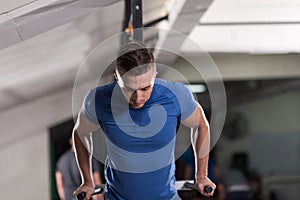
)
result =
(126, 37)
(137, 19)
(127, 14)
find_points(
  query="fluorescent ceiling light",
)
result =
(197, 88)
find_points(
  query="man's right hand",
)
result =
(88, 189)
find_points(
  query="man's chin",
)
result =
(137, 106)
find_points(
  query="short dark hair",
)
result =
(135, 54)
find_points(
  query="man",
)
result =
(67, 175)
(139, 114)
(233, 185)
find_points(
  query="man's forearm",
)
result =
(201, 168)
(83, 158)
(61, 193)
(97, 178)
(60, 185)
(201, 148)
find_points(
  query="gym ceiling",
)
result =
(43, 42)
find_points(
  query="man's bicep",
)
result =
(196, 119)
(84, 126)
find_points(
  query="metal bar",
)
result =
(137, 19)
(125, 37)
(156, 21)
(127, 13)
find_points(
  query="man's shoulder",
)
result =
(106, 87)
(64, 157)
(66, 154)
(170, 85)
(103, 90)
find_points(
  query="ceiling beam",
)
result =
(183, 16)
(34, 18)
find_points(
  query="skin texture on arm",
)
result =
(83, 148)
(97, 181)
(60, 185)
(97, 178)
(201, 146)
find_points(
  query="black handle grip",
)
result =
(81, 196)
(208, 189)
(192, 186)
(98, 189)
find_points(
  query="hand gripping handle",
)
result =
(192, 186)
(98, 190)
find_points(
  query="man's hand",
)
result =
(202, 182)
(98, 197)
(88, 189)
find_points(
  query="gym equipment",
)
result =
(98, 190)
(180, 185)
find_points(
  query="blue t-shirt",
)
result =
(140, 142)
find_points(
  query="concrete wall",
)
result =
(24, 146)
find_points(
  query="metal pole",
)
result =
(137, 19)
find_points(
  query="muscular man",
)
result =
(139, 114)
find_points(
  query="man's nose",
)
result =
(137, 94)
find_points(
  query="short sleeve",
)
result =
(88, 106)
(60, 164)
(186, 100)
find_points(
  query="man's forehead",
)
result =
(138, 81)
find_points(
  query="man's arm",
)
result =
(60, 185)
(97, 178)
(97, 181)
(83, 150)
(201, 146)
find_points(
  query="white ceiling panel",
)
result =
(19, 8)
(257, 39)
(252, 11)
(9, 34)
(152, 10)
(8, 98)
(39, 16)
(248, 26)
(48, 62)
(7, 6)
(183, 16)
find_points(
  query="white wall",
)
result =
(25, 167)
(24, 146)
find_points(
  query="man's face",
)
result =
(137, 89)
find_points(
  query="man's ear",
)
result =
(115, 75)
